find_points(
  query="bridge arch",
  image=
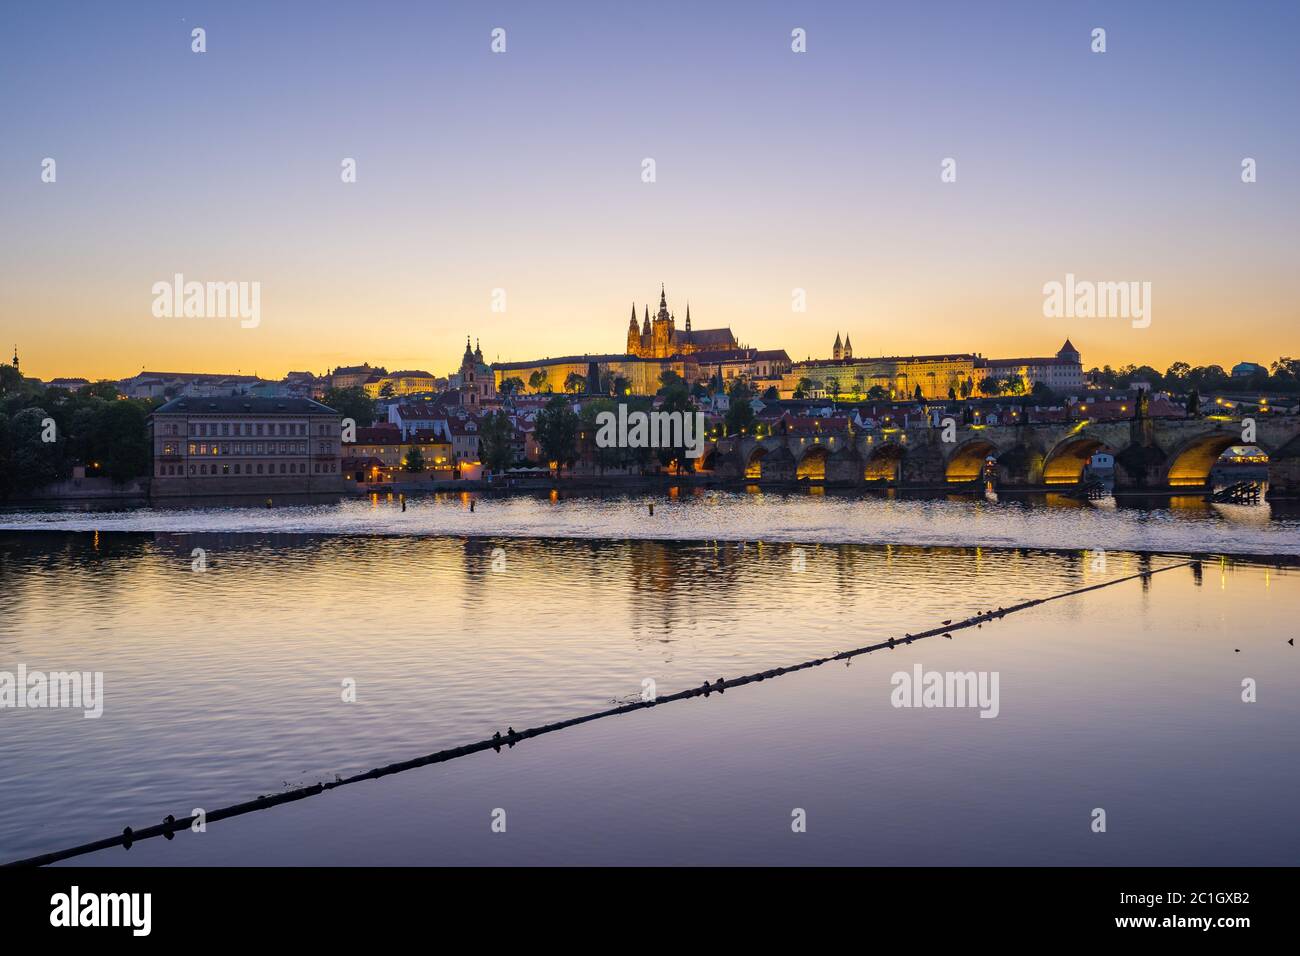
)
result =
(754, 464)
(1064, 464)
(812, 463)
(884, 462)
(1189, 464)
(966, 463)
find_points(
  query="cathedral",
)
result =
(660, 338)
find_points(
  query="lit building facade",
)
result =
(245, 446)
(937, 376)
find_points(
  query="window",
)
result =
(259, 469)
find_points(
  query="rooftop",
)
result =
(244, 405)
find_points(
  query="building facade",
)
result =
(641, 374)
(1062, 373)
(897, 376)
(937, 376)
(245, 446)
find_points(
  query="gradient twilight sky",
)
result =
(523, 171)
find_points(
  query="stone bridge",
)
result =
(1156, 454)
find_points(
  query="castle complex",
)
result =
(656, 346)
(936, 376)
(659, 337)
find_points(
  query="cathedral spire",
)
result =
(632, 324)
(688, 316)
(645, 329)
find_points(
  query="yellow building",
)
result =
(399, 383)
(852, 378)
(642, 374)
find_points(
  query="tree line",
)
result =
(45, 431)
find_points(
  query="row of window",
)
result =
(247, 448)
(286, 468)
(246, 429)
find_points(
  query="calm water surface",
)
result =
(226, 684)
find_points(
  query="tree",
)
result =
(496, 441)
(124, 428)
(11, 380)
(556, 430)
(918, 395)
(33, 462)
(967, 387)
(740, 418)
(772, 394)
(512, 385)
(386, 390)
(1193, 404)
(671, 380)
(414, 461)
(834, 389)
(621, 386)
(575, 383)
(677, 399)
(536, 380)
(952, 394)
(990, 386)
(1042, 391)
(351, 403)
(102, 389)
(802, 389)
(877, 393)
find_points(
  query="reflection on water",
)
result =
(225, 684)
(1182, 524)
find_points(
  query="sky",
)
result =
(523, 171)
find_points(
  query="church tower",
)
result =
(633, 335)
(661, 332)
(848, 346)
(837, 352)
